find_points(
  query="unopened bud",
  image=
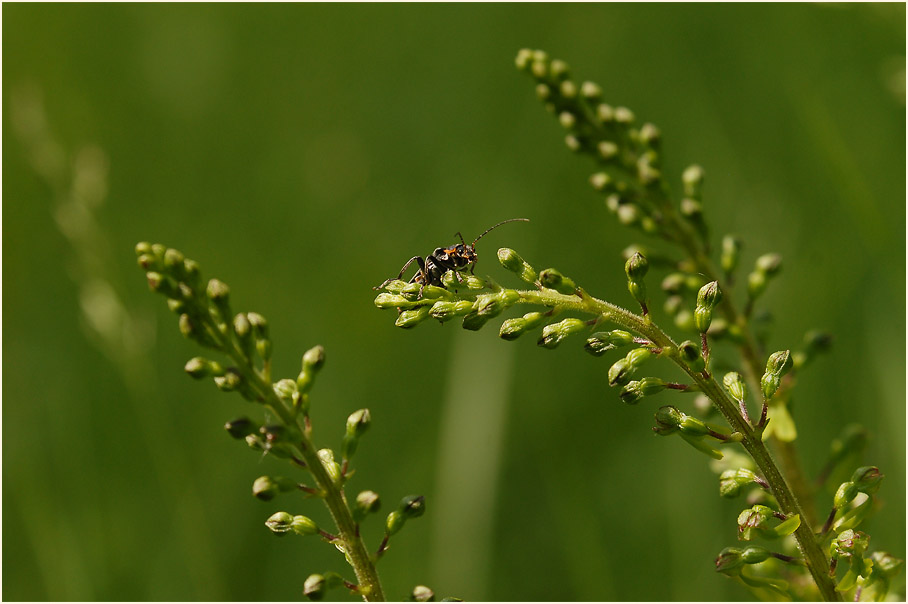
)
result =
(690, 354)
(602, 341)
(512, 261)
(707, 299)
(553, 334)
(778, 365)
(552, 279)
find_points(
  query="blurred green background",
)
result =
(302, 153)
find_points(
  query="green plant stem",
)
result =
(752, 361)
(357, 555)
(810, 548)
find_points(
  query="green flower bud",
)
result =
(394, 522)
(332, 467)
(568, 89)
(433, 292)
(389, 300)
(421, 593)
(243, 330)
(553, 334)
(620, 373)
(412, 506)
(163, 284)
(636, 267)
(492, 305)
(844, 494)
(454, 281)
(602, 341)
(690, 354)
(267, 488)
(524, 59)
(559, 69)
(280, 523)
(357, 424)
(230, 381)
(303, 525)
(199, 368)
(552, 279)
(756, 284)
(445, 310)
(543, 92)
(607, 150)
(731, 559)
(314, 587)
(769, 264)
(367, 502)
(605, 112)
(142, 248)
(512, 261)
(867, 479)
(568, 120)
(778, 365)
(650, 135)
(601, 181)
(734, 383)
(219, 294)
(623, 115)
(693, 181)
(707, 299)
(732, 481)
(590, 91)
(411, 318)
(280, 441)
(474, 321)
(731, 248)
(634, 391)
(668, 420)
(285, 389)
(241, 427)
(514, 328)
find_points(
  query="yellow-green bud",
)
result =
(731, 248)
(867, 479)
(693, 181)
(421, 593)
(314, 587)
(367, 502)
(552, 279)
(553, 334)
(602, 341)
(413, 317)
(690, 354)
(512, 261)
(707, 299)
(636, 390)
(778, 365)
(514, 328)
(734, 383)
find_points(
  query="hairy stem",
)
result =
(369, 584)
(810, 548)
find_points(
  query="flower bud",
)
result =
(636, 268)
(303, 525)
(332, 467)
(314, 587)
(623, 115)
(412, 506)
(163, 284)
(707, 299)
(690, 354)
(731, 248)
(267, 488)
(514, 328)
(668, 420)
(357, 424)
(512, 261)
(219, 294)
(634, 391)
(280, 523)
(199, 368)
(602, 341)
(389, 300)
(607, 150)
(445, 310)
(552, 279)
(778, 364)
(867, 479)
(620, 373)
(732, 481)
(241, 427)
(693, 181)
(734, 383)
(411, 318)
(230, 381)
(553, 334)
(394, 522)
(474, 321)
(367, 502)
(421, 593)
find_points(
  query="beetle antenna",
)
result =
(464, 243)
(498, 225)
